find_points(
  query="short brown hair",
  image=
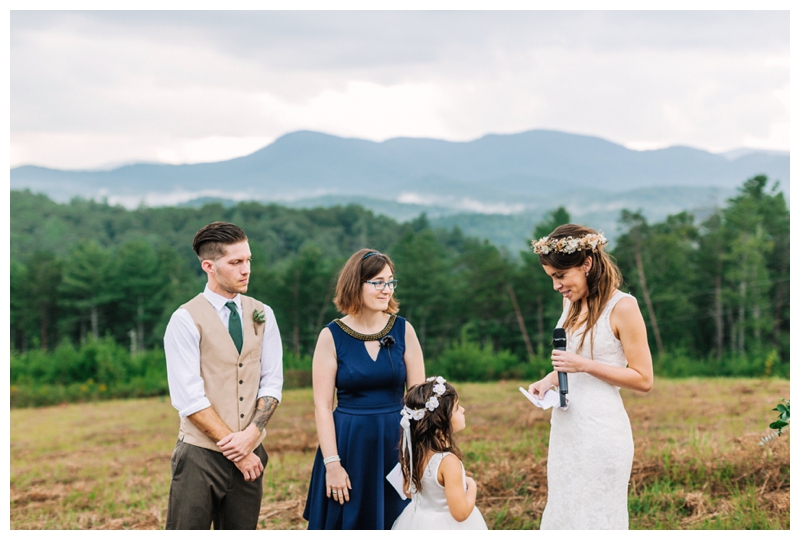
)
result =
(358, 269)
(210, 241)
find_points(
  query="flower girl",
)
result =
(442, 496)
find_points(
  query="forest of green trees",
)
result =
(93, 287)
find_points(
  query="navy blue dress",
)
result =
(367, 421)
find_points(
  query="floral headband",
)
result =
(409, 414)
(430, 405)
(568, 245)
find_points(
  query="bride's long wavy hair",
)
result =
(603, 279)
(432, 433)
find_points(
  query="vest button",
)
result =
(240, 365)
(241, 416)
(241, 399)
(240, 382)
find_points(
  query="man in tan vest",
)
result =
(225, 370)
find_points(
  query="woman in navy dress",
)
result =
(365, 360)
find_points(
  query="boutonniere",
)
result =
(258, 318)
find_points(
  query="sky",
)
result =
(97, 89)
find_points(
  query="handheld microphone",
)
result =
(560, 344)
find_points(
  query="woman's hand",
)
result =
(567, 362)
(337, 482)
(540, 387)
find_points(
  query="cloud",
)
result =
(461, 203)
(150, 84)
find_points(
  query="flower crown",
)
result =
(430, 405)
(568, 245)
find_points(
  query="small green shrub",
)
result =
(469, 362)
(294, 362)
(680, 363)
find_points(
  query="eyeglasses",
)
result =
(380, 285)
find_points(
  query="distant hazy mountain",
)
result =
(494, 174)
(512, 179)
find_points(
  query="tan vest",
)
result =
(231, 379)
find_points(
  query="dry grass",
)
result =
(697, 465)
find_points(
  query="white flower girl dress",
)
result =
(428, 509)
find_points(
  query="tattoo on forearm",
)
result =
(265, 407)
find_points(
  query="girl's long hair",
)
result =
(603, 279)
(433, 433)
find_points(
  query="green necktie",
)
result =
(235, 326)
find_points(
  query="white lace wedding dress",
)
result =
(591, 446)
(428, 509)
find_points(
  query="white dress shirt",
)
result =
(182, 349)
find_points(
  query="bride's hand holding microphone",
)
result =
(567, 362)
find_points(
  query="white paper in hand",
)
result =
(395, 477)
(551, 398)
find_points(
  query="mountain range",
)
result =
(524, 174)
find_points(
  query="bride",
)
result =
(591, 446)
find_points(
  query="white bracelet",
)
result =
(331, 459)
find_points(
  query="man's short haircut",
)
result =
(210, 241)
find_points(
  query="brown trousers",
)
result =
(207, 489)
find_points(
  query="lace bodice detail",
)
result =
(607, 348)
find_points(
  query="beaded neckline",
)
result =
(367, 337)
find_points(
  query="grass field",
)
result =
(698, 463)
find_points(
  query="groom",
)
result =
(225, 371)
